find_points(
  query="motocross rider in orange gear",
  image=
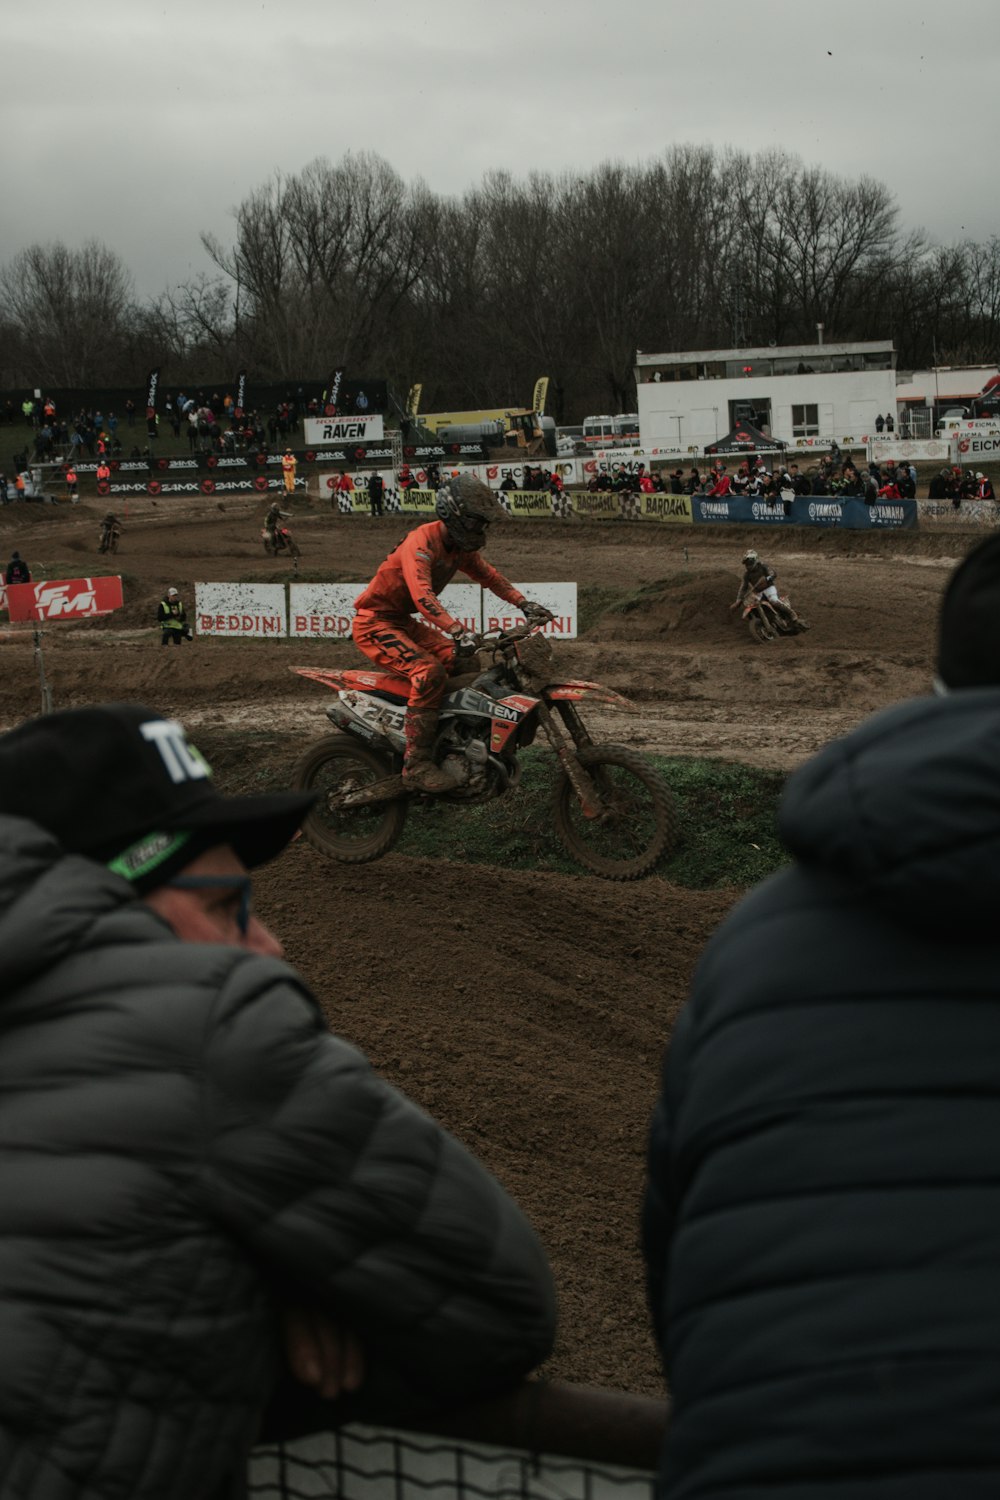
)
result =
(410, 580)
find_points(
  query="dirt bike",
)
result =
(613, 811)
(764, 620)
(281, 541)
(110, 537)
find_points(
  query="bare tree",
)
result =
(73, 308)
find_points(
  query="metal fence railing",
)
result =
(544, 1442)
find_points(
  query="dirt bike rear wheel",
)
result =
(353, 836)
(639, 823)
(270, 548)
(760, 630)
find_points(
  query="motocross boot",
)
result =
(420, 773)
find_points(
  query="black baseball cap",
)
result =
(124, 786)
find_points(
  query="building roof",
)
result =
(767, 351)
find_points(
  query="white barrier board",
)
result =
(240, 609)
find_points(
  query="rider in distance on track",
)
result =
(759, 578)
(271, 520)
(424, 650)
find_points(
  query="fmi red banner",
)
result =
(63, 599)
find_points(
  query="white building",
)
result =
(800, 393)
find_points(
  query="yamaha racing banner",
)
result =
(805, 510)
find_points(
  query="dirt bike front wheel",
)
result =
(356, 835)
(295, 550)
(760, 630)
(637, 823)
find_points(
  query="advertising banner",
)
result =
(527, 502)
(240, 609)
(919, 450)
(807, 510)
(321, 430)
(416, 502)
(560, 598)
(609, 457)
(969, 513)
(63, 599)
(603, 504)
(325, 610)
(671, 508)
(966, 449)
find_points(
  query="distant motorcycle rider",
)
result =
(109, 526)
(423, 650)
(759, 578)
(271, 520)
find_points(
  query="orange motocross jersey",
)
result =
(421, 566)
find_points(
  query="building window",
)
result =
(805, 421)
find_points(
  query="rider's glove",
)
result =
(536, 614)
(466, 642)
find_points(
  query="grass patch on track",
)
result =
(727, 813)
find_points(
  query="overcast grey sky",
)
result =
(142, 124)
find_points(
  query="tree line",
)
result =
(345, 264)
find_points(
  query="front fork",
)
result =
(565, 749)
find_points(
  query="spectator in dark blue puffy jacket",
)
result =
(822, 1220)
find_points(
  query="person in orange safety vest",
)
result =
(289, 463)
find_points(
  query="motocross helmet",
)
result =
(467, 507)
(749, 558)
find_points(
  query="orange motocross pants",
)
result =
(411, 649)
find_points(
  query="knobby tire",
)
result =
(641, 823)
(352, 836)
(760, 631)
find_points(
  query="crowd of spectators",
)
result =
(835, 475)
(957, 485)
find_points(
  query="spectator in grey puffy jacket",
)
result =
(200, 1186)
(822, 1221)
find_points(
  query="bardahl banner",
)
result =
(63, 599)
(670, 508)
(320, 430)
(526, 502)
(240, 609)
(416, 502)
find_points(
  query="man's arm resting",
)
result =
(365, 1204)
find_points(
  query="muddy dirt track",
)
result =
(528, 1012)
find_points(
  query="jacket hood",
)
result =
(50, 901)
(907, 809)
